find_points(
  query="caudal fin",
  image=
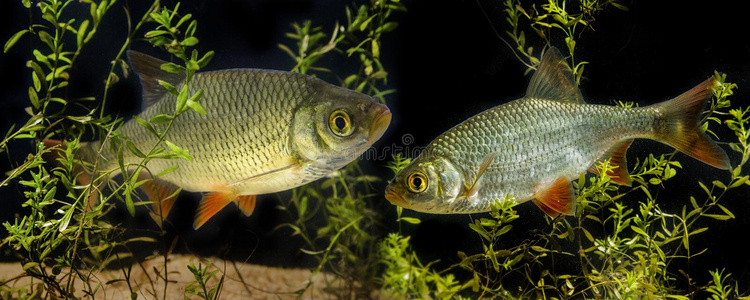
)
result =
(679, 128)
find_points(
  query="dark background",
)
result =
(446, 63)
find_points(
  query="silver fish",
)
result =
(531, 148)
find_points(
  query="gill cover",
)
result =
(425, 185)
(336, 125)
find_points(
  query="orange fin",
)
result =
(617, 160)
(163, 194)
(246, 203)
(211, 204)
(680, 129)
(556, 199)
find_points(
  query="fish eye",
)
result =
(417, 182)
(340, 123)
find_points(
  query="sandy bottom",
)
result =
(241, 281)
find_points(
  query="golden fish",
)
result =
(264, 131)
(531, 148)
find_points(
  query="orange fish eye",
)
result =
(340, 123)
(417, 182)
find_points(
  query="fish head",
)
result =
(426, 185)
(337, 125)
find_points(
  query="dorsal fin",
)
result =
(149, 71)
(553, 80)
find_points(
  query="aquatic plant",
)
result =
(335, 217)
(65, 238)
(626, 245)
(621, 242)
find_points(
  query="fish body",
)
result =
(531, 148)
(264, 131)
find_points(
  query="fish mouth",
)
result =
(394, 198)
(380, 124)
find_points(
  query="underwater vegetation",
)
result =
(636, 242)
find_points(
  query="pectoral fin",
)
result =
(163, 194)
(471, 190)
(556, 199)
(269, 175)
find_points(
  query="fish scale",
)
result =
(220, 154)
(552, 149)
(263, 131)
(531, 148)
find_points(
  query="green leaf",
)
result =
(196, 106)
(129, 203)
(34, 98)
(168, 170)
(739, 182)
(38, 76)
(81, 33)
(189, 42)
(190, 31)
(47, 39)
(411, 220)
(14, 39)
(718, 217)
(205, 59)
(134, 149)
(179, 152)
(65, 220)
(182, 98)
(183, 20)
(145, 125)
(720, 184)
(161, 119)
(172, 68)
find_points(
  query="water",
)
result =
(446, 64)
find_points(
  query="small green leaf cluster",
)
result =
(199, 287)
(360, 37)
(553, 16)
(334, 216)
(336, 221)
(398, 163)
(167, 34)
(405, 277)
(58, 235)
(65, 240)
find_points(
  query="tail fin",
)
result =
(679, 128)
(85, 154)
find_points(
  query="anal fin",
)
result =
(617, 161)
(556, 199)
(246, 203)
(211, 204)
